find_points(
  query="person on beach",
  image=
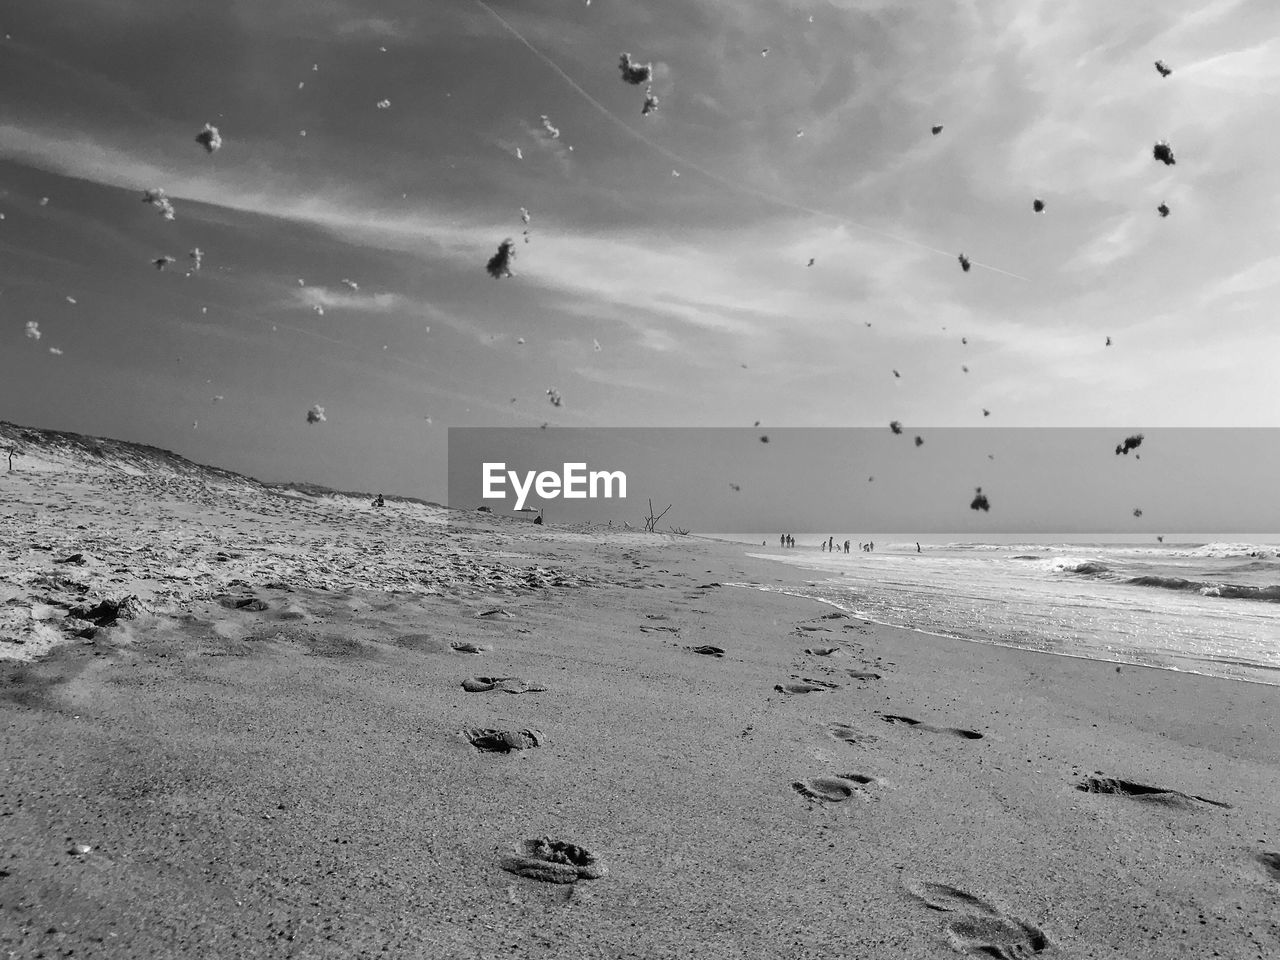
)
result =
(846, 546)
(378, 502)
(918, 550)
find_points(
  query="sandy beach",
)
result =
(240, 721)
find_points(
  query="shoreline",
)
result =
(298, 772)
(1011, 646)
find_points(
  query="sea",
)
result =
(1197, 605)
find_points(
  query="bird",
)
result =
(1164, 153)
(1164, 68)
(1163, 209)
(964, 263)
(1037, 205)
(935, 130)
(1108, 341)
(810, 263)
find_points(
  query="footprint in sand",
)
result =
(849, 734)
(805, 686)
(554, 861)
(979, 928)
(863, 674)
(502, 741)
(1140, 791)
(1271, 863)
(505, 684)
(1000, 937)
(821, 651)
(948, 899)
(468, 647)
(835, 789)
(707, 650)
(912, 722)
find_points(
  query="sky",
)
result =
(665, 281)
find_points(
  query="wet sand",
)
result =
(277, 756)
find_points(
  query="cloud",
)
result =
(349, 301)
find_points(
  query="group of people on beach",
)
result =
(829, 545)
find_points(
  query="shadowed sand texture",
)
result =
(247, 722)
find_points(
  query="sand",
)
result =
(277, 756)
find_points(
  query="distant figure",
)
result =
(918, 550)
(846, 546)
(538, 518)
(871, 546)
(782, 540)
(831, 543)
(378, 502)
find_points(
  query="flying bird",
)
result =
(986, 412)
(1137, 511)
(935, 130)
(1163, 210)
(965, 264)
(919, 441)
(1037, 205)
(1164, 68)
(896, 427)
(1108, 341)
(1164, 153)
(811, 262)
(316, 414)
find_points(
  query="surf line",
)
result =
(711, 174)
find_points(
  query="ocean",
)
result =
(1207, 607)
